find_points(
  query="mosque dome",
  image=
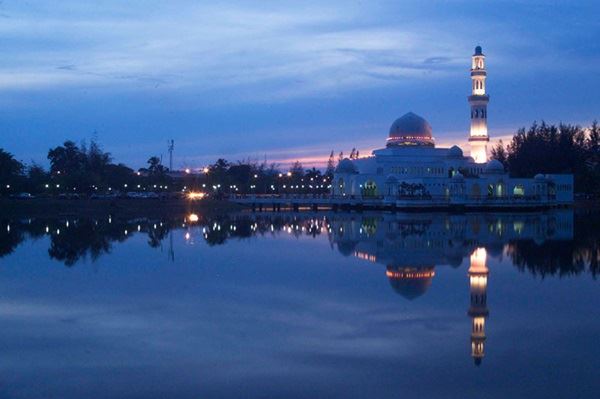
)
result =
(346, 166)
(410, 130)
(540, 177)
(347, 248)
(410, 282)
(494, 167)
(478, 50)
(455, 152)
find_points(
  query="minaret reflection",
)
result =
(478, 311)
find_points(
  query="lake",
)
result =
(301, 305)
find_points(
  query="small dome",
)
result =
(455, 152)
(494, 167)
(345, 166)
(478, 50)
(540, 177)
(410, 130)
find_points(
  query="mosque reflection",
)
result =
(411, 246)
(408, 246)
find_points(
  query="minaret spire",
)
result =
(478, 100)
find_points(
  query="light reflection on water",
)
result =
(300, 305)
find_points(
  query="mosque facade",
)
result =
(411, 169)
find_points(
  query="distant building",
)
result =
(410, 168)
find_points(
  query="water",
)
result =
(301, 306)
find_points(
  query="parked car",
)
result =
(23, 196)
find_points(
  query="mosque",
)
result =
(411, 170)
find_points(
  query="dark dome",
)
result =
(494, 167)
(478, 50)
(410, 282)
(455, 152)
(347, 248)
(345, 166)
(410, 130)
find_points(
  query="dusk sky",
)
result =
(283, 79)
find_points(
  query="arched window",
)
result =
(475, 191)
(500, 189)
(369, 189)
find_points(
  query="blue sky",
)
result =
(282, 79)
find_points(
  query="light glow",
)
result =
(196, 195)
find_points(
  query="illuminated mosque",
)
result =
(411, 167)
(412, 245)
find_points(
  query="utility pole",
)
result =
(171, 145)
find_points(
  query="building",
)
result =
(412, 171)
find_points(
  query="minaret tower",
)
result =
(478, 100)
(478, 311)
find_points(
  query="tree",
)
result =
(499, 153)
(552, 149)
(37, 177)
(67, 165)
(297, 170)
(330, 166)
(154, 166)
(11, 171)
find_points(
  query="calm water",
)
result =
(305, 305)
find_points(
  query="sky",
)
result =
(283, 80)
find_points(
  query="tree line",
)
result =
(563, 148)
(86, 169)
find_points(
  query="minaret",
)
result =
(478, 311)
(478, 100)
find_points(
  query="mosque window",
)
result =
(519, 190)
(369, 189)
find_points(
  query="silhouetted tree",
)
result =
(11, 171)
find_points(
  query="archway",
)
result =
(476, 191)
(500, 189)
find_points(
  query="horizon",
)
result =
(282, 81)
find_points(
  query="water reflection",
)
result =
(478, 311)
(388, 281)
(410, 246)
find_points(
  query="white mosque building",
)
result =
(412, 171)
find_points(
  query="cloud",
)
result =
(214, 48)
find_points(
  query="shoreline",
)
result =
(125, 208)
(131, 208)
